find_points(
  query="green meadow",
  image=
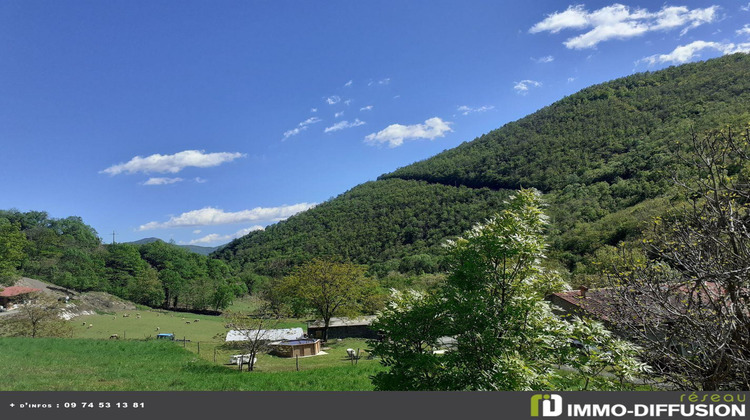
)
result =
(50, 364)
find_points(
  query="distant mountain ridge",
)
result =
(601, 156)
(202, 250)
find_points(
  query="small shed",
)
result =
(266, 335)
(15, 294)
(344, 328)
(302, 347)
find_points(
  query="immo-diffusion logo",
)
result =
(551, 405)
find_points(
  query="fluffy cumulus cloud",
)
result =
(685, 53)
(210, 216)
(466, 110)
(172, 163)
(301, 127)
(523, 86)
(339, 114)
(343, 125)
(215, 238)
(621, 22)
(333, 100)
(745, 30)
(162, 181)
(395, 134)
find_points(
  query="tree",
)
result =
(39, 316)
(252, 329)
(12, 250)
(329, 289)
(688, 292)
(413, 323)
(492, 305)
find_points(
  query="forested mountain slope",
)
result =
(600, 155)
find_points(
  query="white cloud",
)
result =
(543, 60)
(522, 87)
(745, 8)
(200, 180)
(745, 30)
(621, 22)
(344, 124)
(197, 231)
(366, 108)
(348, 102)
(172, 163)
(395, 134)
(210, 216)
(162, 181)
(338, 114)
(571, 79)
(685, 53)
(313, 109)
(301, 127)
(349, 83)
(293, 132)
(333, 100)
(381, 82)
(311, 120)
(216, 238)
(466, 110)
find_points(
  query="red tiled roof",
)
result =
(598, 302)
(17, 290)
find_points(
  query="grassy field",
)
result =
(97, 365)
(143, 323)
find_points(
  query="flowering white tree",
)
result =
(506, 336)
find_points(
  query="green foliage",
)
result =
(68, 253)
(492, 305)
(38, 316)
(12, 245)
(374, 223)
(413, 323)
(601, 156)
(329, 289)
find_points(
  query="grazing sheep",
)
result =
(196, 320)
(125, 315)
(84, 324)
(90, 325)
(351, 353)
(138, 316)
(157, 328)
(115, 336)
(187, 322)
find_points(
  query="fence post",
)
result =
(199, 347)
(356, 357)
(214, 354)
(184, 340)
(297, 360)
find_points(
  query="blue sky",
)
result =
(200, 121)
